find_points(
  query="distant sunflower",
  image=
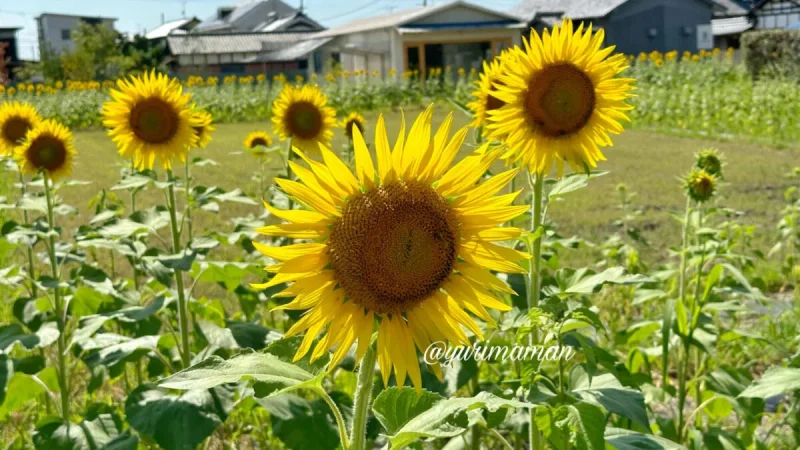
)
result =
(484, 99)
(47, 148)
(203, 127)
(303, 114)
(353, 120)
(257, 139)
(16, 119)
(562, 99)
(148, 118)
(700, 185)
(410, 244)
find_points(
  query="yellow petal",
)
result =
(382, 151)
(364, 168)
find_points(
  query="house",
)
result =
(178, 26)
(245, 53)
(455, 34)
(730, 21)
(770, 14)
(633, 26)
(9, 52)
(258, 16)
(55, 30)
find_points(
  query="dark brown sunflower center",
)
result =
(304, 120)
(154, 121)
(493, 102)
(47, 152)
(15, 129)
(394, 246)
(560, 100)
(199, 130)
(258, 142)
(348, 128)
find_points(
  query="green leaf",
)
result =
(630, 440)
(177, 422)
(87, 301)
(681, 315)
(6, 373)
(394, 407)
(448, 418)
(612, 275)
(121, 350)
(263, 367)
(571, 183)
(132, 182)
(586, 421)
(606, 391)
(304, 424)
(775, 381)
(182, 261)
(21, 389)
(13, 334)
(101, 433)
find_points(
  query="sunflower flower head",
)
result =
(203, 127)
(562, 98)
(257, 139)
(149, 118)
(710, 160)
(406, 244)
(354, 119)
(484, 99)
(16, 119)
(303, 114)
(700, 185)
(47, 149)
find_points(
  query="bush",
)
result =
(772, 52)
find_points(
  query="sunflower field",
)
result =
(428, 262)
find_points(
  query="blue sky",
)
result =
(134, 16)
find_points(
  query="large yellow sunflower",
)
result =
(47, 148)
(16, 119)
(354, 119)
(562, 100)
(149, 117)
(303, 114)
(203, 127)
(409, 244)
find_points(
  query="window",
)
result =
(66, 35)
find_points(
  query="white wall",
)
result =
(51, 29)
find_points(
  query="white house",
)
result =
(55, 30)
(456, 34)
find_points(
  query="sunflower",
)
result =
(203, 127)
(709, 160)
(353, 120)
(409, 244)
(257, 139)
(562, 99)
(16, 119)
(484, 99)
(700, 185)
(302, 114)
(47, 148)
(148, 118)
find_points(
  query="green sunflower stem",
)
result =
(339, 418)
(31, 268)
(533, 280)
(366, 375)
(61, 319)
(183, 313)
(188, 187)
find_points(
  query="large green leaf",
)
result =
(612, 275)
(607, 392)
(87, 301)
(21, 389)
(571, 183)
(121, 350)
(89, 325)
(448, 418)
(177, 422)
(585, 421)
(263, 367)
(101, 433)
(396, 406)
(305, 424)
(775, 381)
(630, 440)
(13, 334)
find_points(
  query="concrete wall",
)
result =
(51, 31)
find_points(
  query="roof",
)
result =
(166, 28)
(198, 44)
(574, 9)
(404, 17)
(731, 25)
(577, 9)
(77, 16)
(292, 53)
(729, 8)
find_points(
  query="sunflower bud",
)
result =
(710, 161)
(700, 185)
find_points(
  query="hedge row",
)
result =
(772, 52)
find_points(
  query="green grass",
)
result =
(648, 163)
